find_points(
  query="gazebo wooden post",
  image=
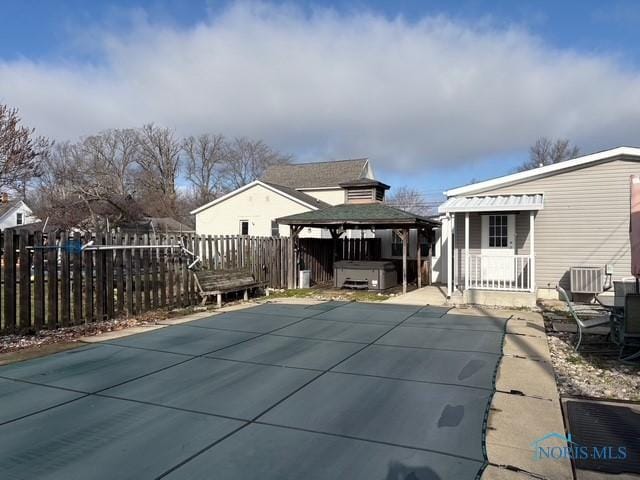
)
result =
(405, 249)
(404, 235)
(418, 259)
(335, 235)
(431, 239)
(294, 231)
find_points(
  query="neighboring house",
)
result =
(284, 190)
(512, 239)
(321, 180)
(15, 213)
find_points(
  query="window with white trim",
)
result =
(19, 218)
(275, 229)
(498, 231)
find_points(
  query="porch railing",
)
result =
(493, 272)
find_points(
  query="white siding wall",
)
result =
(9, 219)
(259, 206)
(334, 196)
(585, 220)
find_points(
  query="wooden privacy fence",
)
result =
(49, 281)
(317, 255)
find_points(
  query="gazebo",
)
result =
(363, 210)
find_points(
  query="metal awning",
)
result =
(494, 203)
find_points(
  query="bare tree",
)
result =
(547, 151)
(159, 162)
(205, 156)
(247, 161)
(55, 196)
(90, 182)
(410, 200)
(106, 181)
(111, 156)
(123, 175)
(20, 150)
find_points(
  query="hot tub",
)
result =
(365, 274)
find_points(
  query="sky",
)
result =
(436, 94)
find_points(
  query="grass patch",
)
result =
(330, 294)
(575, 359)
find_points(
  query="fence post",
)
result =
(77, 278)
(52, 281)
(9, 281)
(100, 280)
(171, 268)
(209, 252)
(65, 286)
(177, 265)
(145, 272)
(162, 260)
(216, 252)
(25, 281)
(88, 281)
(119, 274)
(108, 259)
(128, 259)
(137, 266)
(186, 300)
(153, 255)
(38, 281)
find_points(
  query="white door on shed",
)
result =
(498, 247)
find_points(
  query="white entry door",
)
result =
(498, 247)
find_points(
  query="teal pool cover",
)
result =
(335, 390)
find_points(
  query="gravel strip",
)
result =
(595, 370)
(14, 342)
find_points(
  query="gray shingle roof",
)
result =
(299, 195)
(315, 175)
(357, 214)
(5, 207)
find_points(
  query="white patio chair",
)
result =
(582, 324)
(626, 333)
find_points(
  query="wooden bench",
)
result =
(217, 282)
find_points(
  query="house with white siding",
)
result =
(512, 239)
(14, 213)
(283, 190)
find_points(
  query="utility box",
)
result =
(364, 275)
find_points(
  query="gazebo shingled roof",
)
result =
(358, 216)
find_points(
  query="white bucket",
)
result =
(305, 279)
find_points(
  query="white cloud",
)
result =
(324, 85)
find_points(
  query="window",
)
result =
(275, 229)
(396, 245)
(19, 218)
(244, 227)
(498, 231)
